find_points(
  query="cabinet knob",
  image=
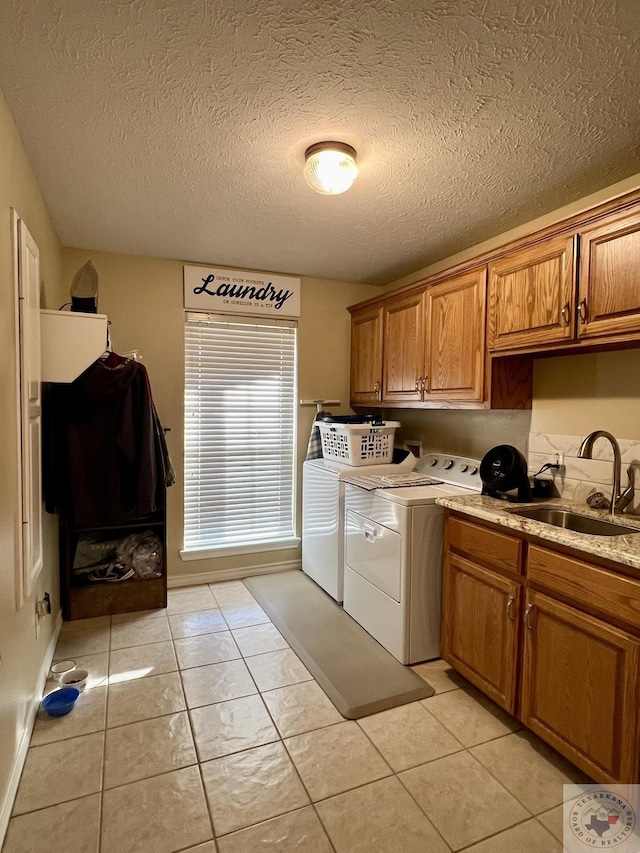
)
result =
(509, 606)
(565, 314)
(424, 383)
(582, 311)
(418, 381)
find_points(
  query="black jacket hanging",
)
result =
(106, 454)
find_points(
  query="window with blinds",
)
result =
(240, 435)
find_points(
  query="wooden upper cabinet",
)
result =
(404, 344)
(609, 283)
(531, 295)
(366, 356)
(455, 311)
(469, 341)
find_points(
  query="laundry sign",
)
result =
(240, 292)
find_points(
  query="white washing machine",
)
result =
(323, 517)
(393, 555)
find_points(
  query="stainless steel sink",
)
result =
(578, 523)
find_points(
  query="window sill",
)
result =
(234, 550)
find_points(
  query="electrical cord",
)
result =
(546, 467)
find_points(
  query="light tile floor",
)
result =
(201, 730)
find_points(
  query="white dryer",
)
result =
(323, 517)
(393, 554)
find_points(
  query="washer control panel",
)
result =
(455, 470)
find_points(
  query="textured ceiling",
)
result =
(177, 128)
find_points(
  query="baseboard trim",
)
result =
(23, 747)
(231, 574)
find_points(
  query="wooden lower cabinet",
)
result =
(480, 632)
(580, 688)
(541, 646)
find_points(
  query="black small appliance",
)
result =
(374, 420)
(503, 472)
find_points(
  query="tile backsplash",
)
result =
(581, 477)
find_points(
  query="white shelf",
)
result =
(70, 341)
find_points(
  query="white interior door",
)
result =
(28, 285)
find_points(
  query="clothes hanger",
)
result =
(110, 358)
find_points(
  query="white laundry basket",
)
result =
(358, 444)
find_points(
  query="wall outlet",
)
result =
(559, 458)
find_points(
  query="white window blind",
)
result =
(240, 428)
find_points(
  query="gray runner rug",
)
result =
(354, 670)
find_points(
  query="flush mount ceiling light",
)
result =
(330, 167)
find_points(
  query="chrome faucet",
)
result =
(619, 502)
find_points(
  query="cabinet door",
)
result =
(609, 296)
(480, 628)
(366, 356)
(580, 688)
(455, 335)
(531, 294)
(403, 348)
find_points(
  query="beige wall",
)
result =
(143, 299)
(463, 433)
(575, 394)
(22, 655)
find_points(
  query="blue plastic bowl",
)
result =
(60, 702)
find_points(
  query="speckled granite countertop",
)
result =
(623, 549)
